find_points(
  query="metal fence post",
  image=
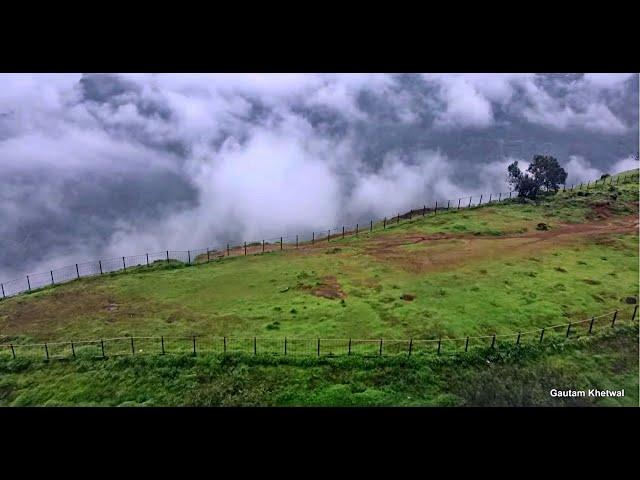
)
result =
(194, 345)
(410, 345)
(280, 243)
(356, 229)
(285, 345)
(424, 210)
(189, 256)
(224, 345)
(318, 347)
(569, 330)
(490, 197)
(133, 350)
(255, 346)
(208, 255)
(343, 231)
(73, 350)
(349, 353)
(147, 259)
(228, 250)
(2, 286)
(384, 224)
(296, 241)
(245, 248)
(162, 344)
(466, 345)
(448, 203)
(591, 324)
(328, 235)
(52, 282)
(613, 322)
(470, 201)
(46, 351)
(541, 335)
(380, 347)
(102, 346)
(13, 351)
(480, 203)
(635, 310)
(518, 339)
(28, 283)
(398, 218)
(499, 197)
(435, 210)
(439, 344)
(493, 341)
(371, 226)
(313, 239)
(167, 256)
(262, 246)
(124, 265)
(100, 265)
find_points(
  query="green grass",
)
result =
(496, 288)
(506, 376)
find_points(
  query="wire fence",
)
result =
(309, 347)
(35, 281)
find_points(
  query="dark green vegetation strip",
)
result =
(506, 376)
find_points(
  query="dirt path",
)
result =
(444, 250)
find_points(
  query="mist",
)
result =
(106, 165)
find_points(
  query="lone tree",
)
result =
(544, 172)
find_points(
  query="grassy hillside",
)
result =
(479, 271)
(476, 271)
(504, 377)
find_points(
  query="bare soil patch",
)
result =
(328, 288)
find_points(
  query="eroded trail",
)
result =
(421, 253)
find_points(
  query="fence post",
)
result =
(2, 286)
(280, 243)
(349, 347)
(470, 201)
(167, 256)
(13, 351)
(371, 226)
(28, 283)
(194, 345)
(189, 256)
(208, 255)
(296, 241)
(499, 197)
(162, 344)
(100, 265)
(285, 345)
(124, 265)
(439, 344)
(398, 218)
(343, 231)
(356, 229)
(224, 345)
(613, 322)
(509, 193)
(635, 310)
(384, 224)
(466, 345)
(490, 197)
(569, 330)
(410, 213)
(255, 346)
(424, 210)
(410, 345)
(328, 235)
(73, 350)
(448, 203)
(541, 335)
(493, 341)
(380, 347)
(147, 259)
(518, 339)
(46, 351)
(435, 210)
(228, 250)
(480, 203)
(459, 203)
(262, 246)
(133, 350)
(102, 346)
(52, 282)
(318, 347)
(591, 324)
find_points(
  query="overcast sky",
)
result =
(96, 166)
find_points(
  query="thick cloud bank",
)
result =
(106, 165)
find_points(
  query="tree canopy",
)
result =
(544, 172)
